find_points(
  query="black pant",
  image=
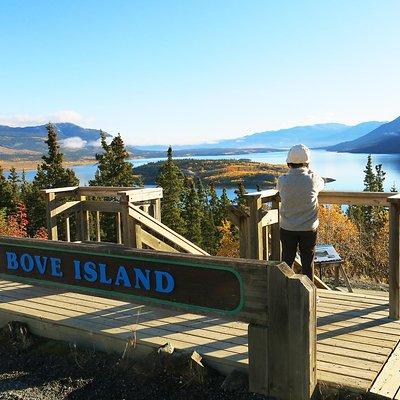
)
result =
(306, 241)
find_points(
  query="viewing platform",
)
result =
(355, 337)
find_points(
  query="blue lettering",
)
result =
(41, 266)
(55, 264)
(169, 281)
(77, 270)
(122, 276)
(90, 271)
(103, 274)
(141, 278)
(12, 262)
(26, 262)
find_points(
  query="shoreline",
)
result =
(31, 165)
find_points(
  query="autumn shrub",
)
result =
(364, 255)
(229, 243)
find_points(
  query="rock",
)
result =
(235, 381)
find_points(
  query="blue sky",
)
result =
(188, 71)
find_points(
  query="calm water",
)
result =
(346, 168)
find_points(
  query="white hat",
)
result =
(298, 154)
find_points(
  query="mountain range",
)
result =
(77, 142)
(384, 139)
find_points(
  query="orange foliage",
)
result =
(228, 245)
(363, 257)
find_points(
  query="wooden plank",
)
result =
(302, 345)
(155, 243)
(255, 227)
(276, 251)
(394, 261)
(67, 206)
(119, 228)
(103, 206)
(144, 194)
(349, 361)
(250, 275)
(356, 198)
(102, 191)
(346, 370)
(61, 190)
(67, 229)
(52, 231)
(354, 355)
(270, 217)
(258, 358)
(387, 383)
(157, 226)
(359, 385)
(98, 230)
(350, 343)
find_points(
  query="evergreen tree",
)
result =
(393, 189)
(240, 192)
(209, 231)
(54, 173)
(193, 215)
(223, 207)
(6, 196)
(50, 174)
(113, 165)
(14, 182)
(171, 179)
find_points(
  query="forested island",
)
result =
(220, 173)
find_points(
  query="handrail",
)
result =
(163, 230)
(335, 197)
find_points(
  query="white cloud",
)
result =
(57, 116)
(73, 143)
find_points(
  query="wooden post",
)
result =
(394, 258)
(119, 229)
(282, 355)
(67, 229)
(157, 209)
(51, 219)
(98, 231)
(276, 252)
(255, 227)
(244, 237)
(84, 221)
(124, 223)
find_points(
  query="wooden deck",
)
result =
(355, 335)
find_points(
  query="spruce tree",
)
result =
(193, 215)
(209, 232)
(6, 195)
(240, 192)
(113, 165)
(14, 182)
(50, 174)
(171, 179)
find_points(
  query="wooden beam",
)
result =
(52, 232)
(84, 220)
(67, 229)
(145, 219)
(270, 217)
(61, 190)
(255, 227)
(276, 252)
(103, 206)
(119, 229)
(155, 243)
(394, 260)
(145, 194)
(68, 206)
(98, 230)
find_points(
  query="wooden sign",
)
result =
(148, 276)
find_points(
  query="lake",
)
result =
(346, 168)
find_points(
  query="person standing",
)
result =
(298, 191)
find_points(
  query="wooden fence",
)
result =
(278, 304)
(259, 228)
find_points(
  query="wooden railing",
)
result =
(137, 212)
(259, 226)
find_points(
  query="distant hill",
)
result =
(319, 135)
(383, 139)
(29, 140)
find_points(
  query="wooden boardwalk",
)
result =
(355, 336)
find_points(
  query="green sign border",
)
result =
(130, 297)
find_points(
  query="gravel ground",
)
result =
(34, 368)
